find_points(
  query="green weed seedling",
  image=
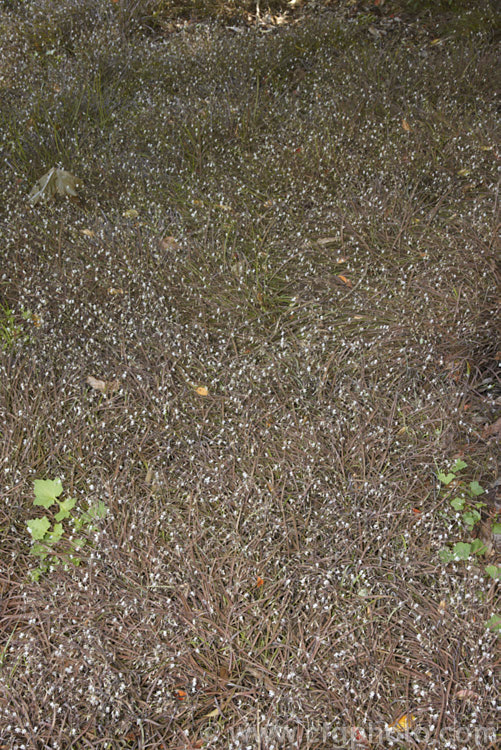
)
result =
(47, 532)
(465, 501)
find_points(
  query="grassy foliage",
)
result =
(266, 321)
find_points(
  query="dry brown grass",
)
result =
(268, 574)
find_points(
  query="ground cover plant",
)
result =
(249, 375)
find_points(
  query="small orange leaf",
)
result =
(416, 511)
(202, 390)
(345, 280)
(181, 694)
(404, 723)
(406, 126)
(259, 581)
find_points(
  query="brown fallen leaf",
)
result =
(54, 182)
(345, 280)
(104, 386)
(492, 429)
(202, 390)
(406, 126)
(88, 232)
(169, 243)
(115, 290)
(467, 695)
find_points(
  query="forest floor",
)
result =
(250, 393)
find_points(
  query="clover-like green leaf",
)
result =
(471, 517)
(476, 489)
(494, 622)
(496, 528)
(46, 491)
(459, 466)
(494, 571)
(446, 478)
(35, 574)
(38, 527)
(446, 555)
(478, 547)
(461, 551)
(458, 503)
(56, 534)
(40, 550)
(64, 508)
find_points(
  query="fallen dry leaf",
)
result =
(169, 243)
(181, 694)
(88, 232)
(215, 712)
(406, 126)
(54, 182)
(327, 240)
(202, 390)
(467, 695)
(404, 723)
(115, 290)
(103, 385)
(131, 213)
(492, 429)
(260, 581)
(345, 280)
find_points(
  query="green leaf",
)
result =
(459, 466)
(98, 511)
(476, 489)
(458, 503)
(46, 491)
(64, 508)
(494, 622)
(55, 535)
(494, 571)
(38, 527)
(446, 478)
(461, 551)
(40, 550)
(478, 547)
(94, 513)
(446, 555)
(471, 517)
(496, 528)
(35, 574)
